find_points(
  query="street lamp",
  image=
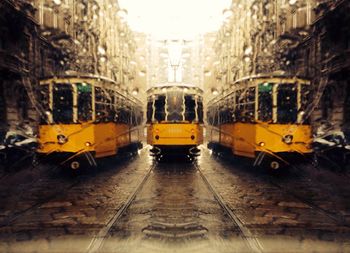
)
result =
(175, 55)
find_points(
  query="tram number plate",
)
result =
(174, 131)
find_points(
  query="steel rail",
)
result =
(251, 241)
(97, 242)
(338, 218)
(7, 221)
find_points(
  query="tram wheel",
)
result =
(74, 165)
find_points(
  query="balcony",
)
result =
(336, 62)
(13, 63)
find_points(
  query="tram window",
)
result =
(102, 105)
(110, 108)
(45, 103)
(239, 105)
(250, 105)
(190, 106)
(286, 103)
(123, 112)
(305, 102)
(265, 102)
(224, 115)
(209, 116)
(63, 103)
(231, 109)
(139, 117)
(84, 102)
(175, 106)
(200, 111)
(215, 117)
(149, 111)
(118, 105)
(160, 108)
(221, 115)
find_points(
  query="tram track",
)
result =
(272, 180)
(183, 230)
(338, 218)
(248, 237)
(97, 242)
(51, 170)
(7, 221)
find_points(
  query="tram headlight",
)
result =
(61, 139)
(157, 137)
(88, 144)
(262, 144)
(192, 137)
(288, 139)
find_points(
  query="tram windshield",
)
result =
(159, 105)
(84, 102)
(62, 103)
(190, 108)
(265, 102)
(287, 104)
(175, 106)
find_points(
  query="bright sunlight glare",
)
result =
(174, 18)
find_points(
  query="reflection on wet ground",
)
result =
(175, 210)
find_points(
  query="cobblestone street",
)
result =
(168, 126)
(128, 205)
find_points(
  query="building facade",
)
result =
(19, 50)
(46, 38)
(305, 38)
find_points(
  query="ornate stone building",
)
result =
(19, 49)
(305, 38)
(52, 37)
(326, 57)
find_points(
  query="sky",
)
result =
(174, 19)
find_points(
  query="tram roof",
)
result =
(171, 85)
(271, 76)
(88, 76)
(257, 77)
(82, 76)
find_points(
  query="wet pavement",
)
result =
(173, 209)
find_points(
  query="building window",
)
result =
(2, 104)
(22, 104)
(327, 103)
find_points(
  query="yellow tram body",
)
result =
(165, 134)
(175, 119)
(87, 115)
(262, 115)
(103, 139)
(264, 138)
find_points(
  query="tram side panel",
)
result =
(273, 138)
(244, 139)
(105, 135)
(175, 134)
(101, 137)
(69, 138)
(263, 114)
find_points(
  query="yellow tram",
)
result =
(175, 119)
(262, 117)
(87, 117)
